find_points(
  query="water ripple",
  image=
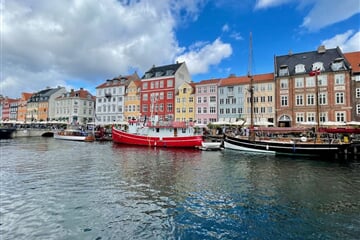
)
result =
(54, 189)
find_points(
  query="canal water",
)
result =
(54, 189)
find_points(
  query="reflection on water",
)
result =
(53, 189)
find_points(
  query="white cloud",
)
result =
(326, 12)
(46, 43)
(198, 60)
(225, 28)
(260, 4)
(322, 13)
(347, 41)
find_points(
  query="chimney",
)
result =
(321, 49)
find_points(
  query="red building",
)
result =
(158, 90)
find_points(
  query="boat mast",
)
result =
(317, 72)
(251, 90)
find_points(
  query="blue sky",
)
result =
(81, 43)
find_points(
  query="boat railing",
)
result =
(173, 124)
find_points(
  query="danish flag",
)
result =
(315, 72)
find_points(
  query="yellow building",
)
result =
(132, 101)
(185, 103)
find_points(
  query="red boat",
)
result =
(160, 135)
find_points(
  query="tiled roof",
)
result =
(233, 80)
(354, 60)
(167, 70)
(209, 81)
(83, 94)
(119, 81)
(326, 56)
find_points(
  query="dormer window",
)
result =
(284, 70)
(318, 66)
(300, 68)
(338, 64)
(169, 72)
(158, 74)
(148, 75)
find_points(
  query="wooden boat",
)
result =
(7, 133)
(161, 134)
(74, 135)
(286, 147)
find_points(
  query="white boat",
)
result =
(211, 145)
(74, 135)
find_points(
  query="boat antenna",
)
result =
(251, 90)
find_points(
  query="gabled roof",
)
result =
(233, 80)
(354, 60)
(119, 81)
(82, 94)
(43, 95)
(167, 70)
(25, 96)
(326, 56)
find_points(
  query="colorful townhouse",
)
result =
(132, 101)
(312, 87)
(8, 107)
(22, 106)
(206, 101)
(110, 101)
(185, 103)
(235, 99)
(41, 105)
(158, 91)
(354, 59)
(75, 107)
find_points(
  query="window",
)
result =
(311, 117)
(284, 100)
(318, 65)
(170, 83)
(322, 80)
(169, 95)
(340, 116)
(310, 99)
(339, 97)
(299, 100)
(300, 117)
(339, 79)
(284, 70)
(357, 92)
(169, 107)
(199, 100)
(212, 110)
(145, 85)
(145, 97)
(358, 109)
(199, 110)
(322, 98)
(213, 98)
(310, 82)
(212, 89)
(284, 84)
(300, 68)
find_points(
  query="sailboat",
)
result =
(288, 146)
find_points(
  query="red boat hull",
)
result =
(119, 136)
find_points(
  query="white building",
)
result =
(75, 107)
(110, 100)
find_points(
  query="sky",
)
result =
(82, 43)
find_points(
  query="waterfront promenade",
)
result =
(54, 189)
